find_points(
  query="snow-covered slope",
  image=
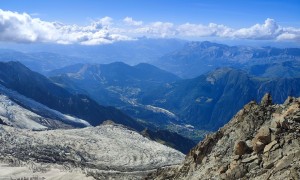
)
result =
(102, 151)
(39, 112)
(14, 115)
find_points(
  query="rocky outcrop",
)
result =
(262, 141)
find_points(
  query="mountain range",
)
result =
(197, 58)
(43, 58)
(210, 100)
(163, 99)
(19, 78)
(107, 82)
(86, 116)
(40, 95)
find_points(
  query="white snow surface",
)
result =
(161, 110)
(15, 115)
(39, 108)
(8, 172)
(108, 148)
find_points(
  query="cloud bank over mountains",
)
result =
(23, 28)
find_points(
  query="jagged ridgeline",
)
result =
(262, 141)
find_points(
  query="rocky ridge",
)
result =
(262, 141)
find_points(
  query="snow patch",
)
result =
(39, 108)
(211, 80)
(160, 110)
(15, 115)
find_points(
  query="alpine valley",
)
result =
(134, 109)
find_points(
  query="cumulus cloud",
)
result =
(199, 30)
(156, 29)
(23, 28)
(131, 22)
(268, 30)
(17, 27)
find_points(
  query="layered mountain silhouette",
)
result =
(205, 102)
(197, 58)
(44, 57)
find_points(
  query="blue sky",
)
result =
(235, 13)
(238, 16)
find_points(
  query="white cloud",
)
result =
(289, 34)
(17, 27)
(22, 28)
(131, 22)
(158, 29)
(199, 30)
(268, 30)
(105, 22)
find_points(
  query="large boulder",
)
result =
(261, 139)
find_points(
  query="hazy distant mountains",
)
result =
(182, 58)
(41, 62)
(196, 58)
(46, 57)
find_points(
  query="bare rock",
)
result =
(269, 146)
(236, 172)
(223, 169)
(296, 118)
(289, 100)
(266, 100)
(271, 131)
(241, 148)
(284, 162)
(250, 159)
(262, 138)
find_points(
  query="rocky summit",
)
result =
(262, 141)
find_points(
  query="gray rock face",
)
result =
(271, 133)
